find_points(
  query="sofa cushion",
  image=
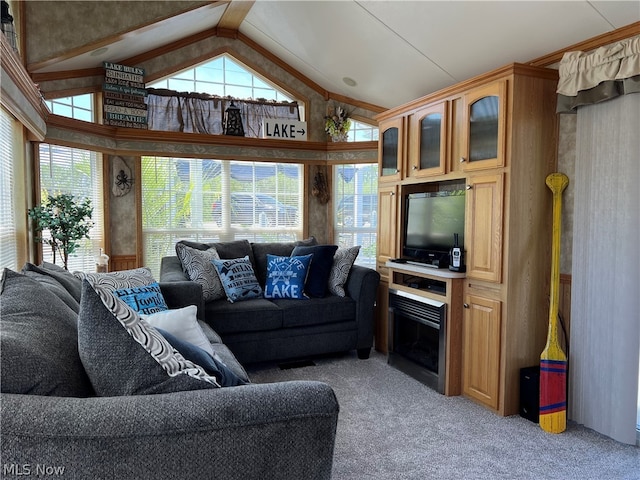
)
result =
(286, 276)
(320, 268)
(69, 281)
(283, 249)
(38, 341)
(147, 299)
(342, 262)
(316, 311)
(183, 323)
(253, 315)
(212, 364)
(238, 279)
(232, 249)
(51, 284)
(124, 355)
(198, 265)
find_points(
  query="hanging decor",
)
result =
(122, 180)
(337, 124)
(233, 121)
(320, 188)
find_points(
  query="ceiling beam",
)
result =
(234, 14)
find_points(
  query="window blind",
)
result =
(8, 234)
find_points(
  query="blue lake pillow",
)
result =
(238, 279)
(286, 276)
(146, 300)
(320, 268)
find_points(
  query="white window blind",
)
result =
(355, 214)
(217, 200)
(79, 173)
(8, 233)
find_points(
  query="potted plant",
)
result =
(337, 124)
(65, 220)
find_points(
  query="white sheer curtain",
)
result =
(605, 307)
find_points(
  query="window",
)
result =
(79, 173)
(79, 107)
(355, 214)
(222, 76)
(8, 231)
(362, 132)
(217, 200)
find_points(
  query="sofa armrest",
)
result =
(182, 294)
(171, 270)
(362, 286)
(281, 430)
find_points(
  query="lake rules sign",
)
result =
(123, 92)
(284, 129)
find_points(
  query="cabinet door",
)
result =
(483, 227)
(481, 353)
(484, 127)
(427, 141)
(387, 224)
(391, 149)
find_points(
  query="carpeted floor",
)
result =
(392, 427)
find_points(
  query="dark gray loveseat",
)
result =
(53, 424)
(263, 329)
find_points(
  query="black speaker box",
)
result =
(530, 393)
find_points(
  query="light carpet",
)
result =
(393, 427)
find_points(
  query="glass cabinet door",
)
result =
(390, 149)
(427, 152)
(485, 125)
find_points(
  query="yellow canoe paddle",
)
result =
(553, 360)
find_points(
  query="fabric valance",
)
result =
(605, 73)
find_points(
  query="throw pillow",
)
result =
(211, 363)
(286, 276)
(342, 262)
(198, 267)
(137, 277)
(238, 279)
(124, 355)
(320, 268)
(69, 281)
(38, 341)
(183, 323)
(147, 299)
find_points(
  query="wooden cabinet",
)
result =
(483, 229)
(391, 149)
(481, 351)
(484, 127)
(504, 128)
(427, 141)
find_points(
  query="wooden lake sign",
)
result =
(284, 129)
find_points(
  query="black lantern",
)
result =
(233, 121)
(7, 25)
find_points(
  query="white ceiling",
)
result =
(395, 51)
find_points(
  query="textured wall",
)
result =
(566, 165)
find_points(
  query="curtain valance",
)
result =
(171, 111)
(605, 73)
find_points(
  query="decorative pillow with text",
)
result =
(238, 279)
(286, 276)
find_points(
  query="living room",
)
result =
(316, 169)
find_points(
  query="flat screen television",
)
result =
(430, 222)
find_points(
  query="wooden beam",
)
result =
(234, 14)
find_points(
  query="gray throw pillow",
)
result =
(198, 265)
(137, 277)
(342, 262)
(38, 341)
(124, 355)
(70, 282)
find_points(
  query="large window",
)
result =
(76, 172)
(355, 214)
(217, 200)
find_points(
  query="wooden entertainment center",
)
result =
(496, 136)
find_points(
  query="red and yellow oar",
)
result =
(553, 361)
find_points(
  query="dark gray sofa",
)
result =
(54, 425)
(261, 329)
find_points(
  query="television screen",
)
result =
(431, 221)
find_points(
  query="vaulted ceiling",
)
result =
(381, 52)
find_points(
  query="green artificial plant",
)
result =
(65, 220)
